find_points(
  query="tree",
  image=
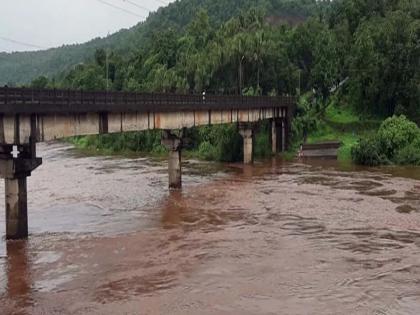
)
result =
(40, 83)
(100, 57)
(314, 50)
(384, 65)
(325, 71)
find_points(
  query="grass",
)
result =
(341, 124)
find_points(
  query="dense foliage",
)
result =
(397, 141)
(216, 143)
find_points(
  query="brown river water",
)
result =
(107, 237)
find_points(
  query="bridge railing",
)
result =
(24, 100)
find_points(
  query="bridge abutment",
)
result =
(173, 142)
(247, 133)
(15, 172)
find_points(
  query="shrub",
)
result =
(396, 133)
(220, 142)
(229, 144)
(397, 141)
(410, 155)
(368, 152)
(262, 145)
(305, 120)
(207, 151)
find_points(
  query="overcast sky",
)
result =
(52, 23)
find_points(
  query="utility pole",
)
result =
(107, 64)
(107, 70)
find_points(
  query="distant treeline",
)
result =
(23, 67)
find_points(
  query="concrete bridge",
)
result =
(28, 116)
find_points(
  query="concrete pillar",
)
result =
(15, 172)
(16, 208)
(174, 169)
(283, 135)
(247, 133)
(273, 136)
(173, 142)
(276, 136)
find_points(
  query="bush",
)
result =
(368, 152)
(146, 141)
(228, 143)
(396, 133)
(305, 120)
(410, 155)
(397, 141)
(207, 151)
(216, 143)
(262, 145)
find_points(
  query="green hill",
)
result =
(23, 67)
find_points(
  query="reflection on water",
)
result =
(3, 257)
(107, 237)
(18, 273)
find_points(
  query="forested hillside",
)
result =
(366, 52)
(22, 67)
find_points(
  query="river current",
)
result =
(107, 237)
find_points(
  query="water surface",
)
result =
(107, 237)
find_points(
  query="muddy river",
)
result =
(107, 237)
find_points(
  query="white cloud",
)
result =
(52, 23)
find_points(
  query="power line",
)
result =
(101, 1)
(121, 9)
(21, 43)
(163, 2)
(137, 5)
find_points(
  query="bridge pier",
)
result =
(16, 208)
(246, 130)
(173, 142)
(278, 135)
(284, 135)
(275, 136)
(15, 172)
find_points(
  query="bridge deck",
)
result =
(45, 101)
(53, 114)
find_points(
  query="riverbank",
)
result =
(341, 124)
